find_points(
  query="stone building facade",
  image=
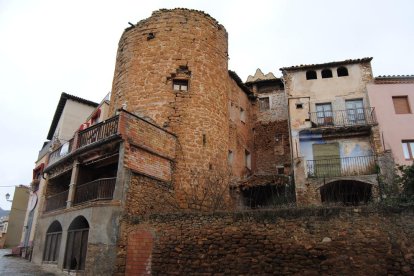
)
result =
(182, 132)
(336, 144)
(180, 128)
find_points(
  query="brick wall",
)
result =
(148, 149)
(335, 241)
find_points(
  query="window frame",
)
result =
(342, 72)
(181, 83)
(263, 104)
(410, 149)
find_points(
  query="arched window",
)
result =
(311, 75)
(77, 244)
(52, 242)
(342, 71)
(326, 73)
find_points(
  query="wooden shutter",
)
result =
(401, 105)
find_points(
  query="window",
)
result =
(264, 104)
(401, 105)
(324, 114)
(248, 159)
(408, 149)
(180, 85)
(242, 115)
(355, 112)
(311, 75)
(299, 106)
(280, 170)
(230, 157)
(326, 73)
(342, 72)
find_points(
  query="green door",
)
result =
(327, 161)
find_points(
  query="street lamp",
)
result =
(7, 197)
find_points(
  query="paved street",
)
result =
(19, 266)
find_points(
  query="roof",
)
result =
(59, 109)
(259, 76)
(328, 64)
(395, 79)
(239, 82)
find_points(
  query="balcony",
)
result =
(100, 189)
(348, 166)
(91, 135)
(344, 118)
(57, 201)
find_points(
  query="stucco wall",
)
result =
(17, 216)
(73, 115)
(394, 127)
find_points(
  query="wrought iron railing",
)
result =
(347, 166)
(96, 190)
(61, 151)
(349, 117)
(57, 201)
(98, 132)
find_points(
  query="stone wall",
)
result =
(335, 241)
(178, 45)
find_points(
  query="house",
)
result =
(393, 98)
(335, 140)
(16, 217)
(71, 114)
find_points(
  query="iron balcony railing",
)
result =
(98, 132)
(341, 118)
(57, 201)
(347, 166)
(99, 189)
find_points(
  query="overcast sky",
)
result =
(49, 47)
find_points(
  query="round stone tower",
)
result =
(171, 68)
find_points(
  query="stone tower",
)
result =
(171, 69)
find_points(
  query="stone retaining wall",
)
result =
(315, 241)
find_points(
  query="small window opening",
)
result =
(326, 73)
(299, 106)
(280, 170)
(180, 85)
(230, 157)
(242, 115)
(150, 36)
(311, 75)
(342, 71)
(210, 166)
(264, 104)
(204, 140)
(248, 159)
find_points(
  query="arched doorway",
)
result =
(77, 244)
(52, 242)
(348, 192)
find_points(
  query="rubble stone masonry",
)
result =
(178, 45)
(313, 241)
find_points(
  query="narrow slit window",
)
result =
(248, 159)
(180, 85)
(242, 115)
